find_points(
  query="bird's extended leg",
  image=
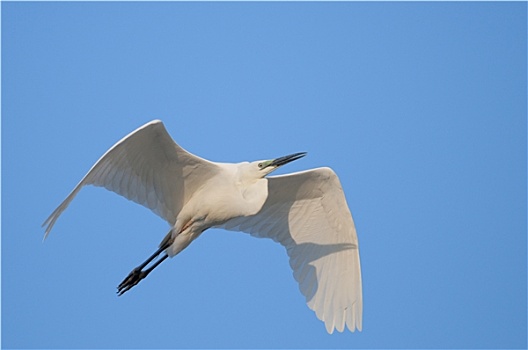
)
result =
(138, 273)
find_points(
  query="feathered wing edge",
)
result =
(50, 221)
(307, 213)
(147, 167)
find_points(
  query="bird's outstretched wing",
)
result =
(149, 168)
(307, 213)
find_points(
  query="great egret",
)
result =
(306, 212)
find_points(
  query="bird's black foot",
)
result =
(138, 273)
(131, 280)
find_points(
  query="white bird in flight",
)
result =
(306, 212)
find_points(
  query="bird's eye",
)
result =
(260, 165)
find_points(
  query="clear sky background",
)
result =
(420, 108)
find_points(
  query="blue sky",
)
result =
(420, 108)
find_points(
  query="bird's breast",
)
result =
(219, 204)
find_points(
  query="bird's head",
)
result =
(264, 167)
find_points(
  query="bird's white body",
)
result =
(306, 212)
(227, 195)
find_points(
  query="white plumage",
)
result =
(306, 212)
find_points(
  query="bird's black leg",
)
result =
(138, 273)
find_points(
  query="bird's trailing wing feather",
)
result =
(149, 168)
(307, 213)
